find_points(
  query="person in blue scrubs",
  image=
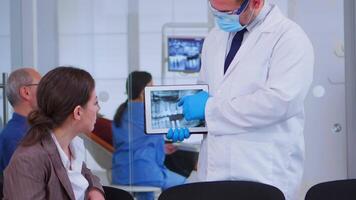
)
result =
(21, 91)
(139, 158)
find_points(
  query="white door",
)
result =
(325, 130)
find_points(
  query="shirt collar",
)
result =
(261, 16)
(18, 117)
(64, 157)
(77, 150)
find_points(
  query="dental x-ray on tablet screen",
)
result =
(162, 111)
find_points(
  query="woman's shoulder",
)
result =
(29, 163)
(34, 155)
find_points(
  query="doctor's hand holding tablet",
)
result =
(175, 110)
(193, 109)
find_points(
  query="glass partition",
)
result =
(127, 45)
(92, 35)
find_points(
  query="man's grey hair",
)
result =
(16, 80)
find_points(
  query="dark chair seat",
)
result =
(244, 190)
(115, 194)
(1, 184)
(333, 190)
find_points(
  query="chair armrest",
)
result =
(101, 142)
(136, 188)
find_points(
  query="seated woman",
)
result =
(138, 158)
(49, 163)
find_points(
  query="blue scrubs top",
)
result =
(10, 138)
(138, 158)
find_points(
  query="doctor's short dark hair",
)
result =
(58, 93)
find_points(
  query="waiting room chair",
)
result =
(102, 133)
(1, 185)
(237, 190)
(116, 194)
(1, 195)
(333, 190)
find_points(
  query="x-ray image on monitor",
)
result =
(162, 111)
(184, 53)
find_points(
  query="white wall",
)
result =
(93, 35)
(326, 150)
(5, 36)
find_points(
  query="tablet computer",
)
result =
(162, 111)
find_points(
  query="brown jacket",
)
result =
(37, 172)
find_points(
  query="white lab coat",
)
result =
(255, 115)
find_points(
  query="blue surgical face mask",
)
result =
(230, 21)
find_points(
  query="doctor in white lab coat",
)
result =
(255, 110)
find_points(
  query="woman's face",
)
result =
(90, 111)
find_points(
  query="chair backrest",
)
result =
(102, 134)
(223, 190)
(101, 142)
(1, 184)
(115, 194)
(333, 190)
(103, 129)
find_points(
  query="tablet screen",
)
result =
(162, 111)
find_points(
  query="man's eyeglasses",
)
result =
(32, 84)
(238, 11)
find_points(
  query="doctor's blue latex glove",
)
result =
(194, 105)
(178, 134)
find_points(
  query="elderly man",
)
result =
(21, 92)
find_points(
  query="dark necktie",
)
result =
(235, 46)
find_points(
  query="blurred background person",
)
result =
(21, 92)
(139, 158)
(49, 163)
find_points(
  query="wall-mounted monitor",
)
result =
(162, 111)
(184, 53)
